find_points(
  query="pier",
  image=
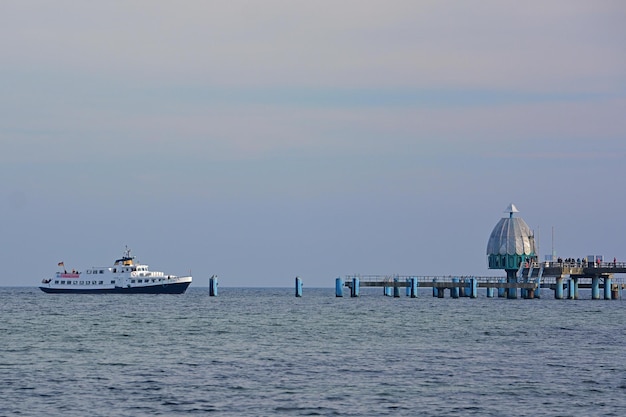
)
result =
(564, 278)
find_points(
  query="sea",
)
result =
(265, 352)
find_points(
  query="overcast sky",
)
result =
(263, 140)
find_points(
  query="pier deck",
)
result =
(530, 279)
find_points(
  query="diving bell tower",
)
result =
(510, 245)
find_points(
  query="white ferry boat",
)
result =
(125, 277)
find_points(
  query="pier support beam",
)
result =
(501, 290)
(396, 289)
(570, 289)
(338, 287)
(213, 286)
(607, 288)
(413, 287)
(511, 278)
(298, 287)
(616, 292)
(454, 291)
(473, 288)
(558, 290)
(490, 292)
(595, 288)
(435, 289)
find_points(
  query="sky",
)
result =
(264, 140)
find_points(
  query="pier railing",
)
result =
(442, 280)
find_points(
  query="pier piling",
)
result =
(354, 290)
(213, 286)
(595, 288)
(607, 288)
(413, 288)
(454, 291)
(339, 287)
(558, 290)
(490, 291)
(298, 287)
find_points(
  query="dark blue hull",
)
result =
(177, 288)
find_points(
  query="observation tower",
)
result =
(510, 246)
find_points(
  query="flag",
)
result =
(60, 264)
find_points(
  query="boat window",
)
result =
(99, 282)
(56, 282)
(82, 282)
(87, 282)
(89, 271)
(62, 282)
(132, 280)
(112, 281)
(102, 271)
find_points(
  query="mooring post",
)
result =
(575, 283)
(354, 291)
(298, 287)
(607, 288)
(595, 288)
(455, 289)
(339, 287)
(213, 286)
(414, 284)
(558, 290)
(408, 286)
(435, 289)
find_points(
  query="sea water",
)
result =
(264, 352)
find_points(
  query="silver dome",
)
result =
(511, 236)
